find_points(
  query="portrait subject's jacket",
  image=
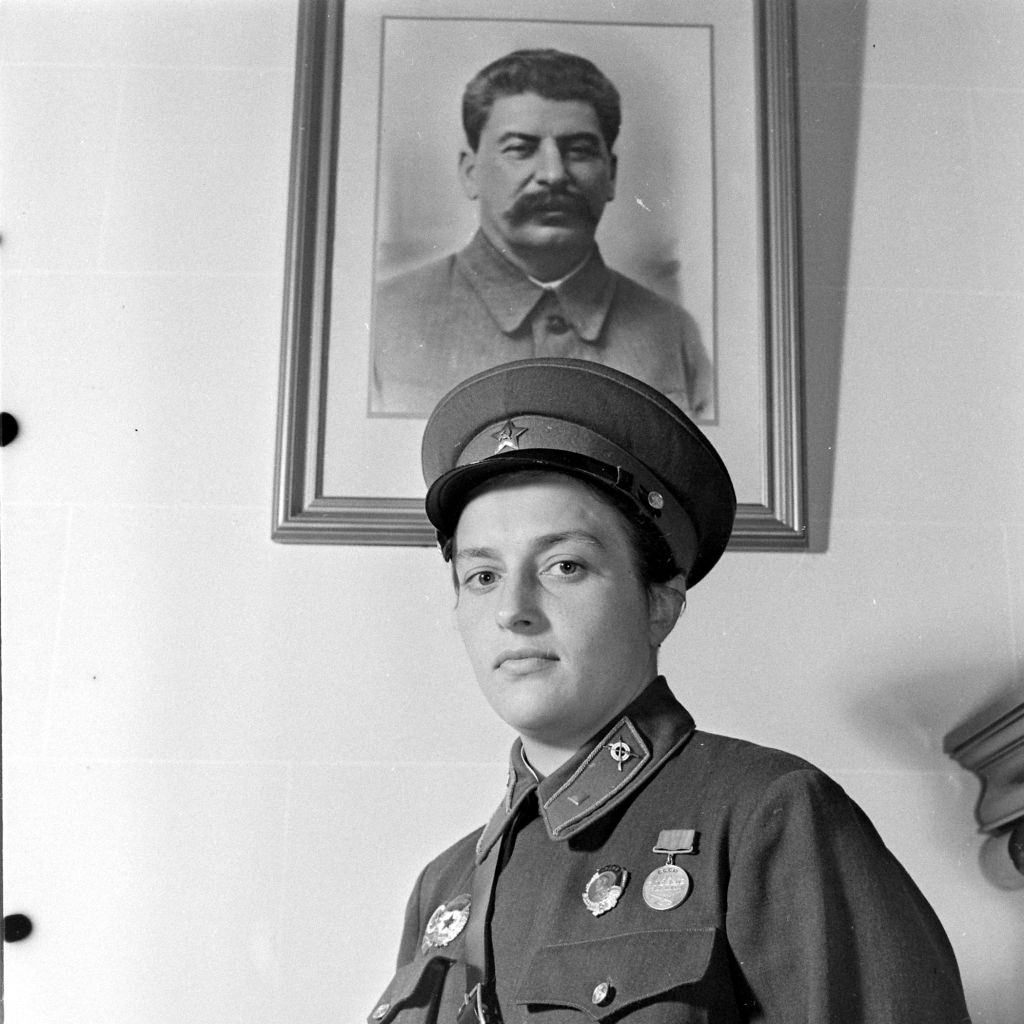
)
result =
(437, 325)
(796, 913)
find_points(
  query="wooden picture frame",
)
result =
(329, 265)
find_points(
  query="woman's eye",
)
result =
(483, 578)
(567, 568)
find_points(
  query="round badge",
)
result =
(666, 887)
(446, 922)
(604, 889)
(620, 752)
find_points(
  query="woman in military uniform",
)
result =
(637, 868)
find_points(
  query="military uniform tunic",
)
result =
(437, 325)
(797, 912)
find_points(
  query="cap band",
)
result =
(596, 424)
(536, 435)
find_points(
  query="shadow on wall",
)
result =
(830, 53)
(906, 717)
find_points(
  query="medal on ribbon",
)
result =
(666, 887)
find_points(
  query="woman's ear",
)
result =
(666, 604)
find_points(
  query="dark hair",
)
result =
(549, 73)
(652, 558)
(651, 554)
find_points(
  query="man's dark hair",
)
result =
(549, 73)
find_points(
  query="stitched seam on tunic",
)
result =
(763, 797)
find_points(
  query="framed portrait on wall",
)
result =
(658, 232)
(702, 226)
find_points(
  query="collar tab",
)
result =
(522, 781)
(599, 776)
(614, 762)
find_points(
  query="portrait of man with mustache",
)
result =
(538, 162)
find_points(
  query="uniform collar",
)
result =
(590, 784)
(510, 296)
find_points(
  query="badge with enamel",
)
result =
(446, 923)
(604, 889)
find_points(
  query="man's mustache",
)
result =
(527, 206)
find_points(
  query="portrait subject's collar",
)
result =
(510, 296)
(587, 295)
(603, 773)
(550, 286)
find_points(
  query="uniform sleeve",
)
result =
(825, 924)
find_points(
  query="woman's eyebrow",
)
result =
(542, 543)
(473, 553)
(578, 536)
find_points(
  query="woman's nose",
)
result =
(518, 608)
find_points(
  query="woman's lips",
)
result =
(525, 661)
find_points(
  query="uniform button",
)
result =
(602, 994)
(381, 1012)
(557, 324)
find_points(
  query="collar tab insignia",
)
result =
(620, 752)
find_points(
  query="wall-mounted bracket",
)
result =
(991, 745)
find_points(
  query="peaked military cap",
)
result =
(591, 422)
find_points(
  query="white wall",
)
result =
(226, 759)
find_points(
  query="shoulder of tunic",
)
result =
(451, 864)
(633, 295)
(413, 285)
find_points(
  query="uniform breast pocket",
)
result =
(413, 994)
(657, 977)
